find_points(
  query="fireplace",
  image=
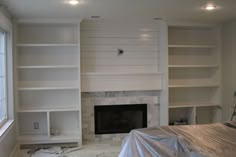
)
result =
(110, 119)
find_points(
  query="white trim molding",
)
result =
(4, 129)
(14, 152)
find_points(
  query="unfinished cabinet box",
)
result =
(48, 81)
(65, 125)
(181, 116)
(32, 127)
(206, 115)
(33, 123)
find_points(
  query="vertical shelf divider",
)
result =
(48, 124)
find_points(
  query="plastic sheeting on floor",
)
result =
(54, 152)
(89, 150)
(213, 140)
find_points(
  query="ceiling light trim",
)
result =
(210, 7)
(73, 2)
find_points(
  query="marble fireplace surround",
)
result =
(90, 99)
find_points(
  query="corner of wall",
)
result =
(8, 143)
(228, 67)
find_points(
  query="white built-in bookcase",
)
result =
(47, 82)
(47, 73)
(194, 74)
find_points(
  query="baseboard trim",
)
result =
(13, 152)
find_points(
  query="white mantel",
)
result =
(92, 82)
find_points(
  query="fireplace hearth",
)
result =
(110, 119)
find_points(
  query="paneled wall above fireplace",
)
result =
(120, 56)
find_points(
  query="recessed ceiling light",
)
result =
(73, 2)
(210, 7)
(157, 18)
(95, 17)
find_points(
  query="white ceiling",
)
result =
(180, 10)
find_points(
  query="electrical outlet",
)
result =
(36, 125)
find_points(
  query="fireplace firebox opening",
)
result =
(110, 119)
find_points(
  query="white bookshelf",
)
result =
(199, 85)
(194, 66)
(48, 67)
(194, 74)
(45, 88)
(42, 139)
(191, 46)
(49, 110)
(47, 85)
(196, 104)
(46, 45)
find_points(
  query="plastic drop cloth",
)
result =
(212, 140)
(51, 152)
(54, 152)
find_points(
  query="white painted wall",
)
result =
(8, 142)
(228, 66)
(8, 139)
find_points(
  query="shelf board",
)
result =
(191, 46)
(46, 45)
(48, 110)
(29, 139)
(181, 106)
(45, 88)
(193, 85)
(194, 66)
(47, 67)
(41, 139)
(194, 104)
(112, 74)
(65, 138)
(208, 105)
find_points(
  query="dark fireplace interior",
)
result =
(111, 119)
